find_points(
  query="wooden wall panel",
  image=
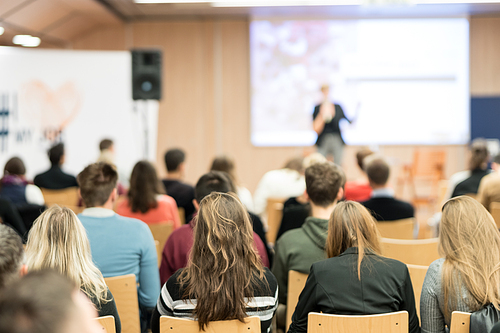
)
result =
(103, 38)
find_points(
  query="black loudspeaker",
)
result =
(146, 74)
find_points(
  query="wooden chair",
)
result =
(274, 215)
(416, 252)
(181, 325)
(161, 232)
(64, 197)
(76, 209)
(442, 189)
(296, 282)
(124, 290)
(394, 322)
(399, 229)
(460, 322)
(182, 215)
(107, 323)
(417, 275)
(495, 212)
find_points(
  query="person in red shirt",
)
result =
(359, 190)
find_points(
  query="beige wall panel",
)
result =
(39, 14)
(77, 25)
(7, 5)
(102, 38)
(484, 56)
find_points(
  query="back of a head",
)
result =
(470, 242)
(59, 241)
(105, 144)
(313, 159)
(174, 158)
(40, 302)
(224, 265)
(97, 181)
(225, 164)
(213, 181)
(377, 169)
(496, 159)
(352, 225)
(144, 187)
(295, 163)
(479, 154)
(56, 153)
(361, 155)
(11, 255)
(14, 166)
(323, 182)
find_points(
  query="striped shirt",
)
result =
(263, 304)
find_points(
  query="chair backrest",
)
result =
(394, 322)
(460, 322)
(417, 275)
(107, 323)
(158, 252)
(274, 215)
(124, 290)
(495, 212)
(399, 229)
(181, 325)
(416, 252)
(429, 163)
(64, 197)
(296, 282)
(182, 215)
(161, 232)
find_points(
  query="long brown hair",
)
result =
(351, 224)
(144, 187)
(470, 242)
(223, 266)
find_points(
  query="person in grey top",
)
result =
(467, 278)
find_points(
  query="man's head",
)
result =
(11, 256)
(324, 183)
(361, 155)
(213, 181)
(377, 170)
(106, 144)
(174, 160)
(97, 184)
(56, 154)
(495, 164)
(46, 302)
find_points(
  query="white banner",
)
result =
(77, 97)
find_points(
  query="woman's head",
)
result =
(478, 154)
(14, 166)
(144, 187)
(224, 265)
(352, 225)
(470, 243)
(58, 240)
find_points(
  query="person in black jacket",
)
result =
(55, 178)
(382, 204)
(356, 279)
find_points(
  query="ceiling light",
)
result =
(2, 30)
(26, 40)
(32, 42)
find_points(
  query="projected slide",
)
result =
(399, 81)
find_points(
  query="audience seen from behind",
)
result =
(119, 245)
(225, 278)
(176, 251)
(382, 204)
(15, 187)
(467, 278)
(359, 190)
(146, 199)
(299, 248)
(356, 279)
(489, 187)
(46, 302)
(55, 178)
(467, 182)
(12, 265)
(58, 241)
(175, 187)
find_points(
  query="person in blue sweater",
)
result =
(119, 245)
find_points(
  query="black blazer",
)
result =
(389, 209)
(55, 179)
(333, 287)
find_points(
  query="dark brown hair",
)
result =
(105, 144)
(223, 266)
(213, 181)
(144, 187)
(55, 153)
(479, 154)
(323, 181)
(14, 166)
(351, 224)
(225, 164)
(377, 170)
(96, 182)
(174, 158)
(360, 156)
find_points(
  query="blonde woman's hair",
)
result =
(351, 224)
(470, 243)
(58, 240)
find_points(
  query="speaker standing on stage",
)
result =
(326, 118)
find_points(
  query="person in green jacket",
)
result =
(298, 249)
